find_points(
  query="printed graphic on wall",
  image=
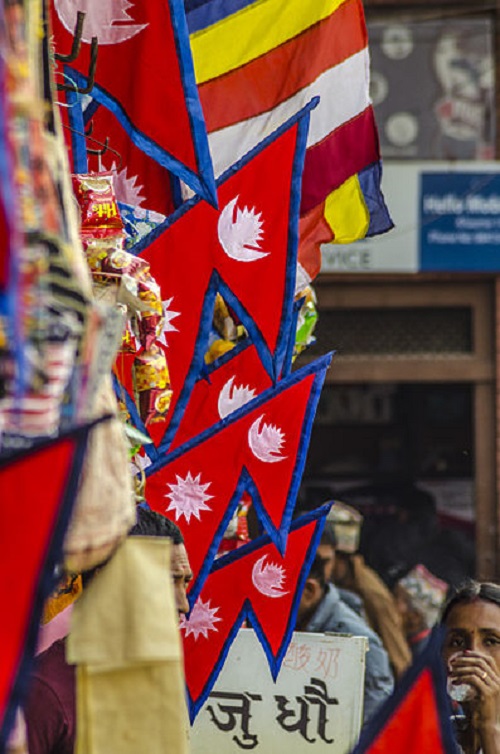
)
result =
(449, 114)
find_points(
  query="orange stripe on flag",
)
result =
(313, 231)
(263, 83)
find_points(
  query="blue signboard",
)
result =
(460, 222)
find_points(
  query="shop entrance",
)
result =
(401, 452)
(406, 421)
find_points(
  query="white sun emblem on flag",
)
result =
(126, 189)
(168, 316)
(201, 621)
(188, 497)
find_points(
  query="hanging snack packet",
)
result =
(95, 194)
(152, 385)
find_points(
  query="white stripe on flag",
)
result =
(343, 92)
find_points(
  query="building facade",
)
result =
(412, 400)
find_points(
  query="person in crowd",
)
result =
(149, 524)
(350, 572)
(321, 610)
(419, 598)
(50, 710)
(471, 651)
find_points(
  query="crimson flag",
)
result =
(416, 719)
(139, 180)
(261, 450)
(144, 75)
(255, 582)
(247, 251)
(37, 490)
(237, 378)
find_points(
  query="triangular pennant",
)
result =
(235, 379)
(416, 719)
(139, 181)
(145, 43)
(261, 450)
(255, 582)
(244, 250)
(37, 486)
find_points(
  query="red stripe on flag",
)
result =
(343, 153)
(272, 78)
(313, 231)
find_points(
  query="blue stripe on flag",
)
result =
(203, 13)
(369, 180)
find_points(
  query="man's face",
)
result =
(182, 575)
(327, 554)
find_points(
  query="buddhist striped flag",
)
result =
(257, 62)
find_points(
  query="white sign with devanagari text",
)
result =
(315, 704)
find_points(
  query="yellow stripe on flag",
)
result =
(346, 212)
(253, 31)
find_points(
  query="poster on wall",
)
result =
(460, 221)
(432, 85)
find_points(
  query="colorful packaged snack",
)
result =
(100, 216)
(152, 384)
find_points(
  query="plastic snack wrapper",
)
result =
(98, 207)
(152, 385)
(306, 321)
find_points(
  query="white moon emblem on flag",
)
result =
(108, 20)
(232, 397)
(266, 441)
(240, 232)
(268, 578)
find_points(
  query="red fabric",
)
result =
(219, 461)
(144, 175)
(51, 704)
(268, 80)
(5, 246)
(313, 231)
(414, 727)
(345, 152)
(31, 491)
(184, 256)
(225, 593)
(202, 411)
(138, 67)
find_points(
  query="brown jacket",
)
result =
(380, 610)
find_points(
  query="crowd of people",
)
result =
(341, 595)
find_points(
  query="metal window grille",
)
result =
(395, 332)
